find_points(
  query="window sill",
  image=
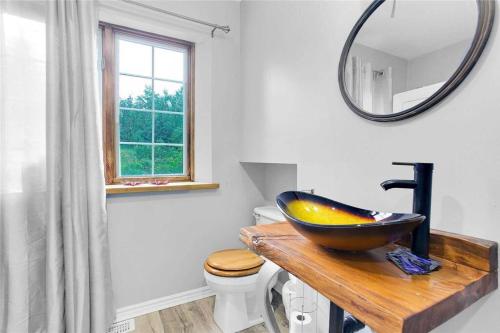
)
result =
(175, 186)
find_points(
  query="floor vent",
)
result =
(122, 326)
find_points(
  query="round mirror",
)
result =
(404, 56)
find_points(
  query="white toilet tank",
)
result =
(267, 215)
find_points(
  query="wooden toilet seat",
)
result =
(233, 263)
(218, 272)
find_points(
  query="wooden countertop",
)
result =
(374, 290)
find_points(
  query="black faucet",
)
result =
(422, 191)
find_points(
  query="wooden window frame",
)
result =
(109, 102)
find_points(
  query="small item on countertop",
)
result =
(160, 182)
(410, 263)
(132, 183)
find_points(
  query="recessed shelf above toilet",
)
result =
(271, 178)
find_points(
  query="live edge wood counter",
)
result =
(373, 289)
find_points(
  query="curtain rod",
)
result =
(224, 28)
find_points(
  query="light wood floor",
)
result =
(196, 317)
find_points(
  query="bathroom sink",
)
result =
(342, 227)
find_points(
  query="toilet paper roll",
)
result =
(287, 294)
(301, 323)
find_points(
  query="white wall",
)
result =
(290, 54)
(436, 66)
(159, 241)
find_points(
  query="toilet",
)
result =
(232, 274)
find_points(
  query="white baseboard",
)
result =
(256, 321)
(140, 309)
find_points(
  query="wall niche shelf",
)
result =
(271, 178)
(374, 290)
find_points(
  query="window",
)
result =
(147, 106)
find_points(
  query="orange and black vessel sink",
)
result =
(342, 227)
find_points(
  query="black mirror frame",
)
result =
(486, 15)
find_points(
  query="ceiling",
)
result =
(419, 26)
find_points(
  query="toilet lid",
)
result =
(234, 260)
(218, 272)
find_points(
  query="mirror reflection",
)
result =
(407, 50)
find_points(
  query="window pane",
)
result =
(135, 126)
(169, 128)
(169, 96)
(169, 64)
(168, 160)
(135, 160)
(135, 58)
(135, 92)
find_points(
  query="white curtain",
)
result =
(359, 82)
(22, 167)
(54, 258)
(370, 90)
